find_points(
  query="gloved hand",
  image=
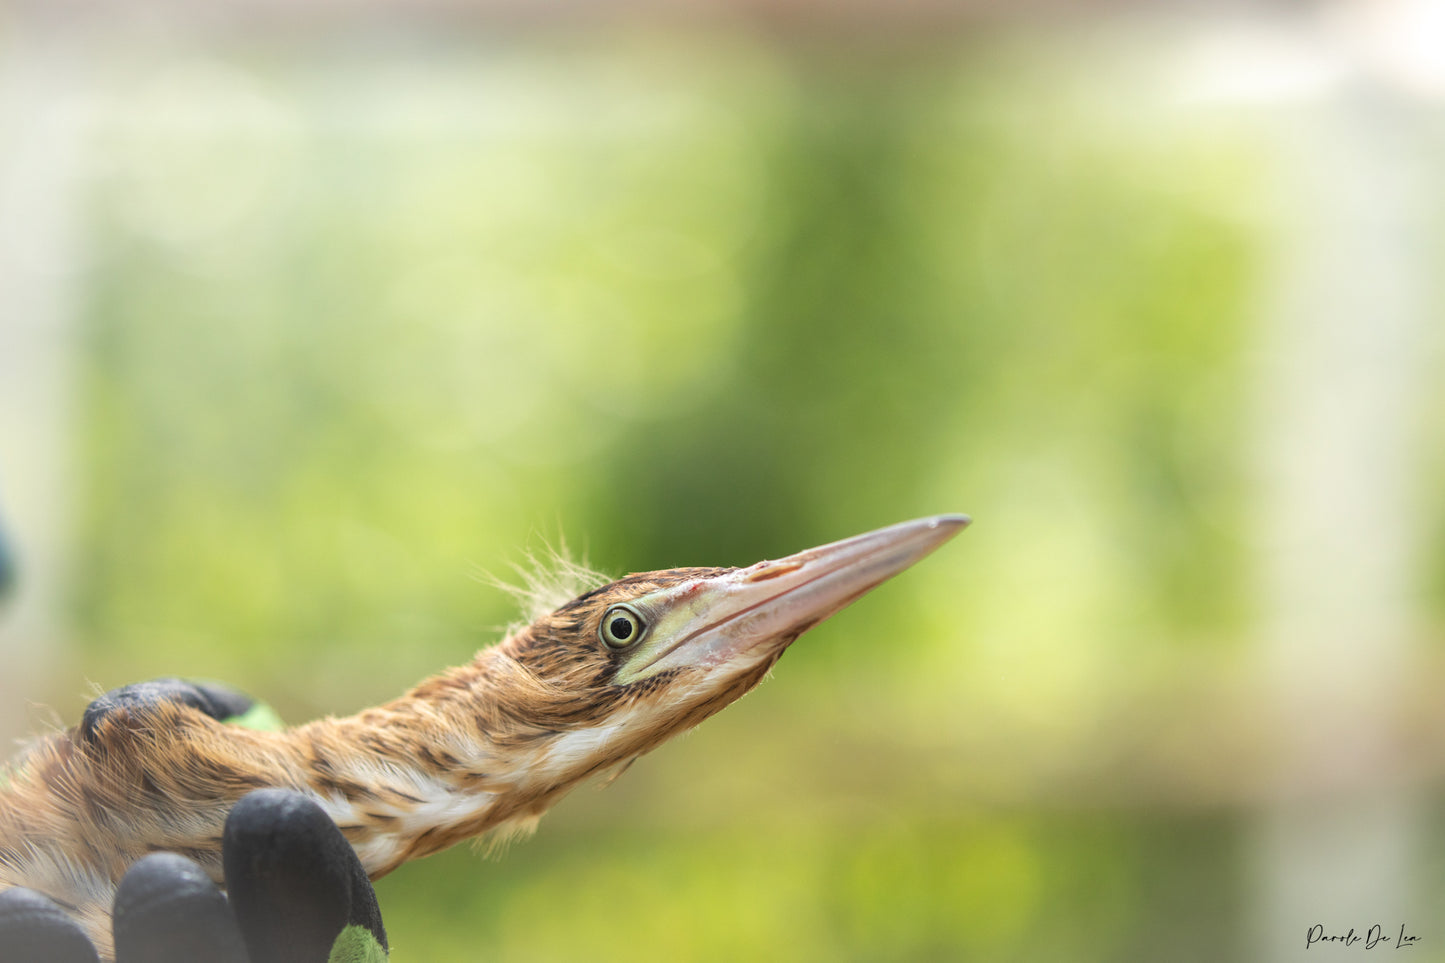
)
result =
(296, 893)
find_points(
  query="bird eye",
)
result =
(621, 627)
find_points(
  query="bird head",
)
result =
(618, 670)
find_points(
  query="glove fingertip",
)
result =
(132, 702)
(221, 702)
(167, 910)
(286, 871)
(34, 929)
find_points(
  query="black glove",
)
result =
(297, 892)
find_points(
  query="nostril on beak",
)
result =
(765, 570)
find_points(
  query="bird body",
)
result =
(486, 747)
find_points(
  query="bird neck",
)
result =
(464, 753)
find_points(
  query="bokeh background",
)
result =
(313, 313)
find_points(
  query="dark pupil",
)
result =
(621, 628)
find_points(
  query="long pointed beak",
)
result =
(761, 609)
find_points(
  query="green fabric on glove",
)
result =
(356, 944)
(260, 717)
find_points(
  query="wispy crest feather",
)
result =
(549, 580)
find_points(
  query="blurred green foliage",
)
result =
(363, 329)
(1071, 890)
